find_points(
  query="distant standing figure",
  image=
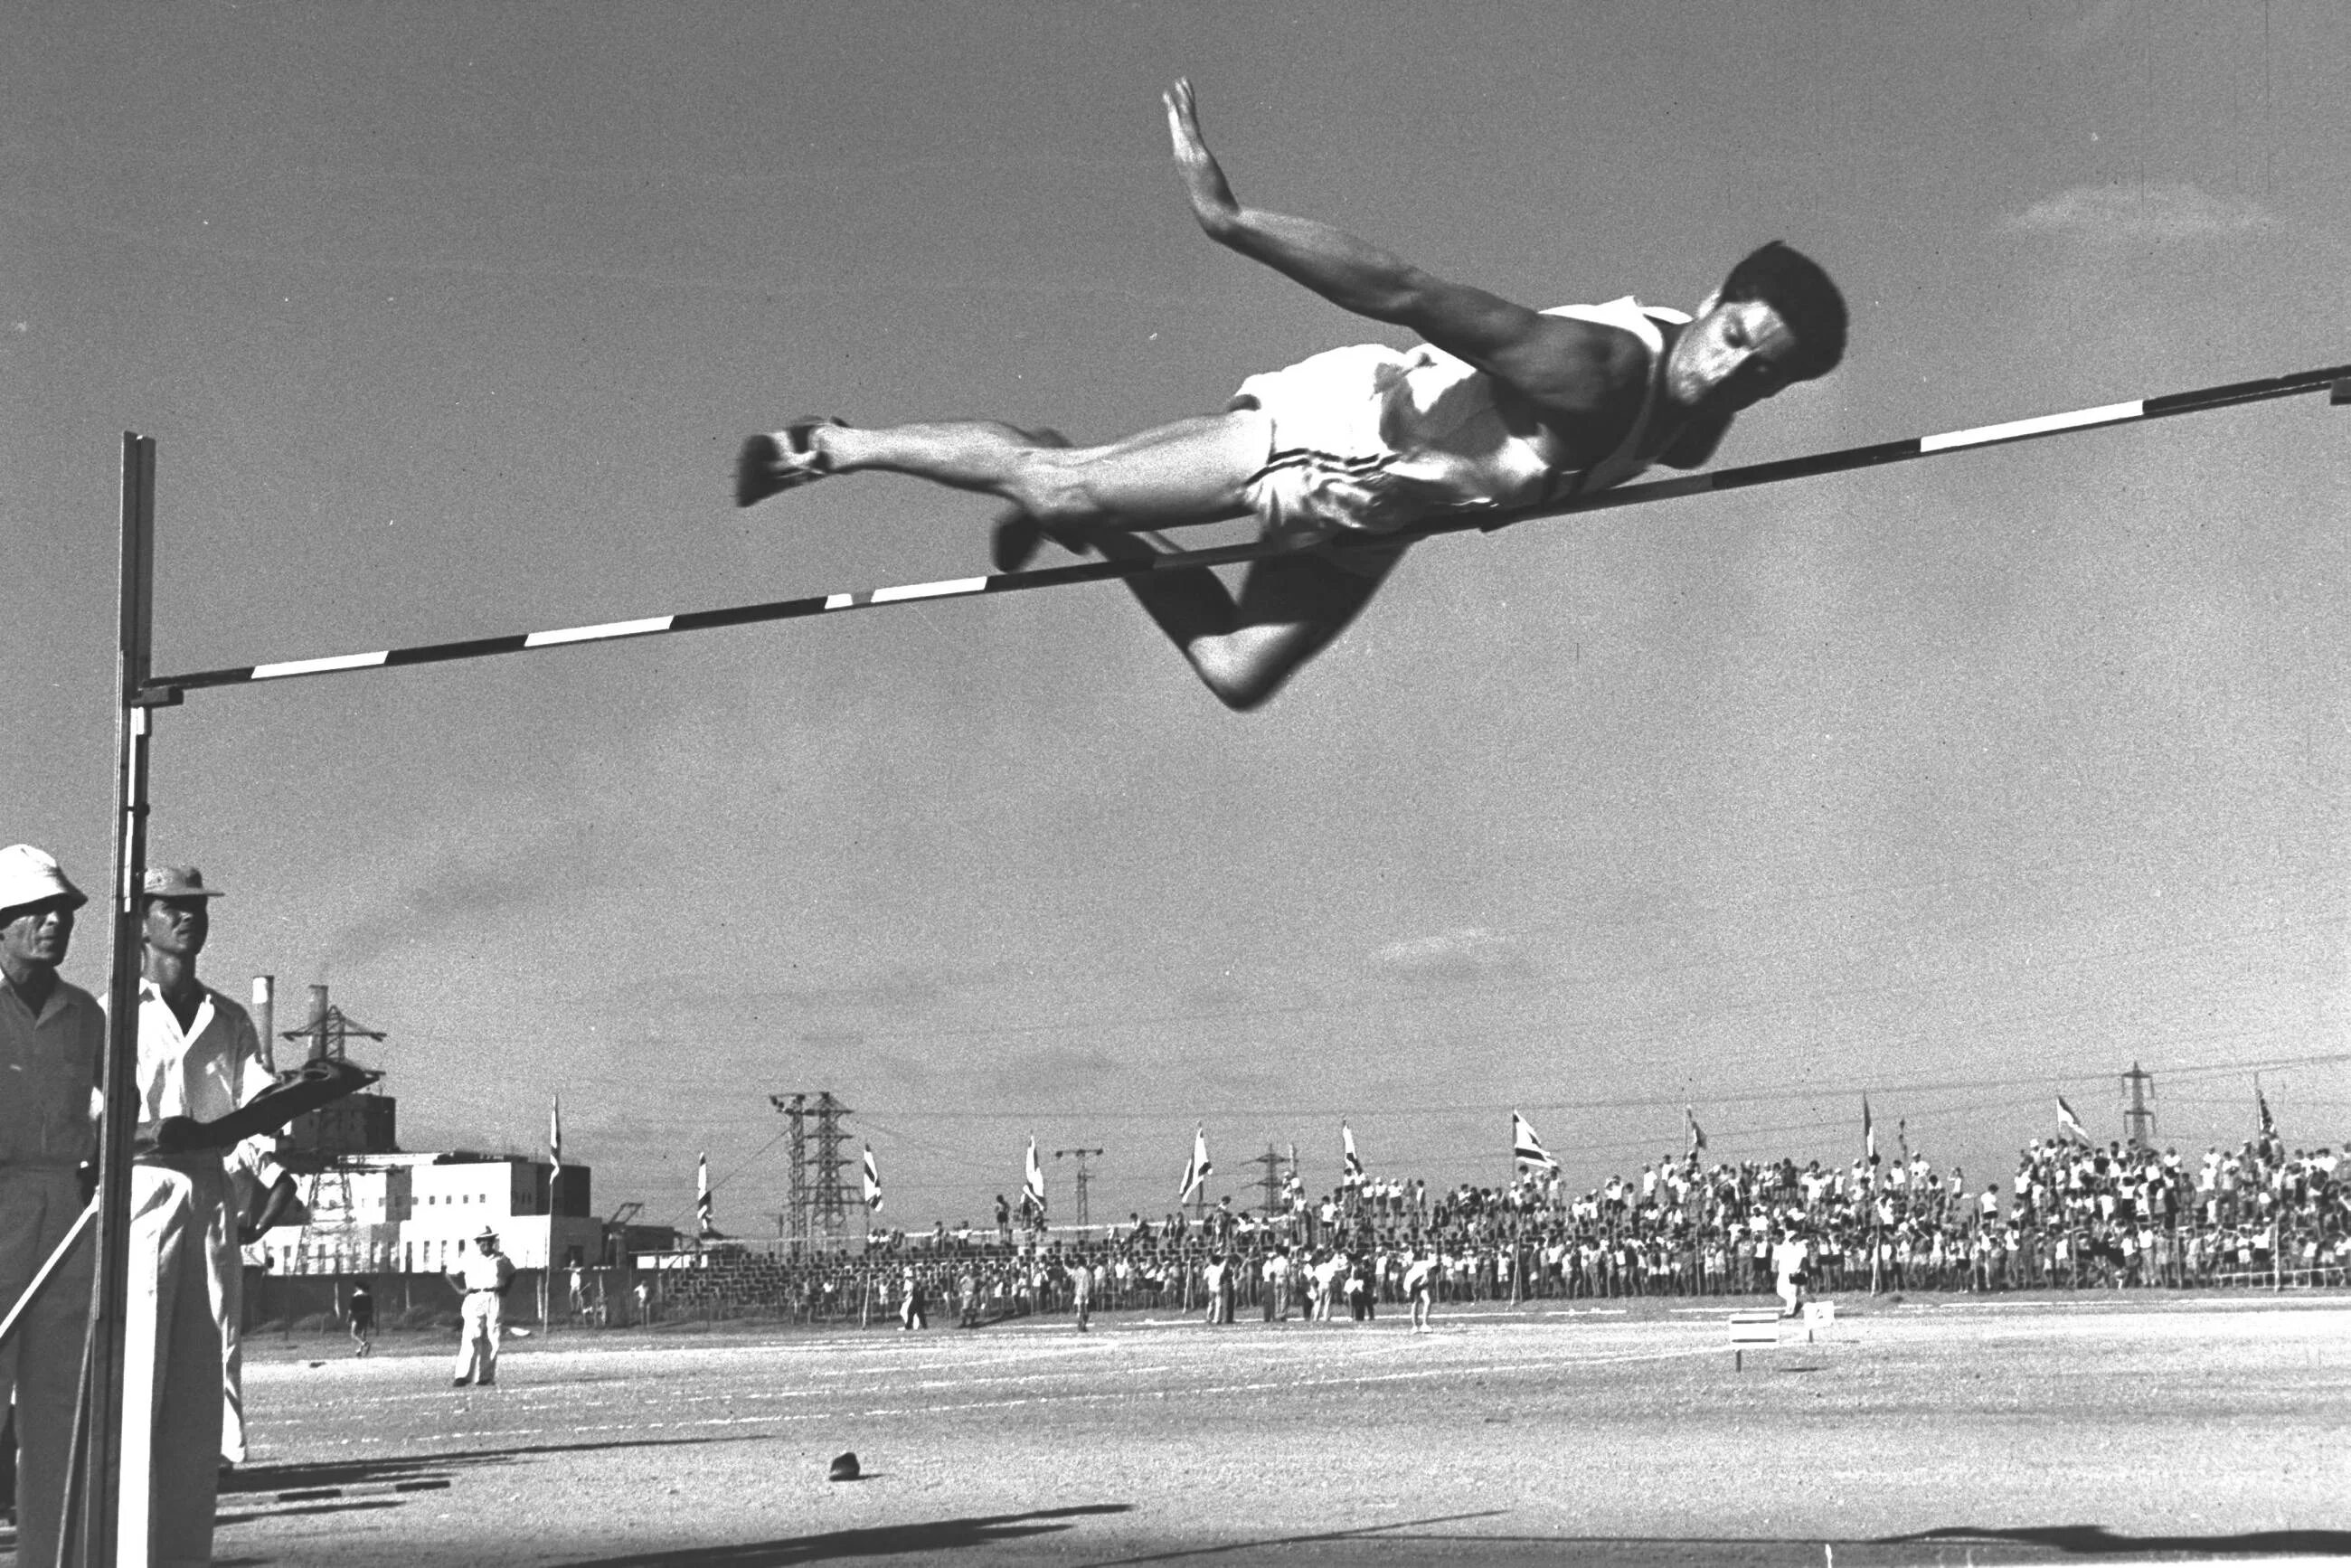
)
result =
(912, 1311)
(481, 1277)
(1082, 1293)
(362, 1312)
(1790, 1258)
(1420, 1287)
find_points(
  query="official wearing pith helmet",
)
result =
(52, 1043)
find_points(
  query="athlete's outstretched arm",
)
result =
(1557, 362)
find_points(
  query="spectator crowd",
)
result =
(2071, 1216)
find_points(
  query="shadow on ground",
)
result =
(270, 1480)
(2097, 1541)
(252, 1492)
(885, 1540)
(1414, 1542)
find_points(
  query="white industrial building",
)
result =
(418, 1213)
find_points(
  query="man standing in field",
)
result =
(1791, 1265)
(362, 1314)
(52, 1048)
(1501, 407)
(199, 1062)
(481, 1277)
(1420, 1285)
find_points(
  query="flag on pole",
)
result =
(1698, 1134)
(703, 1224)
(873, 1180)
(1868, 1133)
(2261, 1108)
(1032, 1184)
(2069, 1122)
(555, 1150)
(1196, 1172)
(1354, 1166)
(1527, 1149)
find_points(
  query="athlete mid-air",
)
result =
(1500, 407)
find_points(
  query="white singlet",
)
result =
(1373, 439)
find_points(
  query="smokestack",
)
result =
(265, 1018)
(317, 1023)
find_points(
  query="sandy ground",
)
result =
(2139, 1429)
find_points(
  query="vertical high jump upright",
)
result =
(90, 1524)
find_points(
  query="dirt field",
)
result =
(2132, 1429)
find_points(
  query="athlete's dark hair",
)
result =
(1792, 284)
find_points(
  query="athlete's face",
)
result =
(1732, 357)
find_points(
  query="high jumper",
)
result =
(1501, 408)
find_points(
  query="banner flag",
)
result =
(702, 1223)
(1032, 1184)
(555, 1154)
(873, 1180)
(1698, 1134)
(1525, 1147)
(1196, 1172)
(2071, 1123)
(1354, 1166)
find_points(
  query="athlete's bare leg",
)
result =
(1192, 471)
(1245, 647)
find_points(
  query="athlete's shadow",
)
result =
(253, 1493)
(881, 1540)
(394, 1470)
(2099, 1540)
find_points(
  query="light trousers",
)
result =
(183, 1269)
(479, 1323)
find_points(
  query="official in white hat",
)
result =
(52, 1044)
(198, 1061)
(481, 1277)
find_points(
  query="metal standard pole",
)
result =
(89, 1537)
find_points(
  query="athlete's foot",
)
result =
(770, 465)
(1013, 540)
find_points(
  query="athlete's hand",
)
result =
(1204, 182)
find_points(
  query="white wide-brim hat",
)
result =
(29, 876)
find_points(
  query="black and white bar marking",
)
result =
(165, 688)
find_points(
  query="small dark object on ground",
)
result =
(844, 1469)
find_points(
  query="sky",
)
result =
(1959, 785)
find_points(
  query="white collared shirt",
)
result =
(205, 1070)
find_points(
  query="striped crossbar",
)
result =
(164, 688)
(1755, 1328)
